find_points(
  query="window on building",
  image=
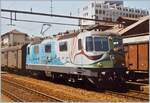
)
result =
(36, 49)
(28, 50)
(5, 55)
(96, 11)
(132, 10)
(96, 17)
(119, 8)
(100, 6)
(79, 44)
(103, 12)
(106, 6)
(129, 15)
(15, 55)
(100, 11)
(92, 4)
(136, 11)
(147, 13)
(136, 16)
(63, 46)
(48, 48)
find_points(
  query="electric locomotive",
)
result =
(93, 55)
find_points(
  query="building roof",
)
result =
(127, 20)
(14, 32)
(138, 23)
(115, 29)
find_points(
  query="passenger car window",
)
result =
(48, 48)
(63, 46)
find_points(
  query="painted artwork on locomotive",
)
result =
(91, 49)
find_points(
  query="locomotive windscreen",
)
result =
(97, 44)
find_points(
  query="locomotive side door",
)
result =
(80, 49)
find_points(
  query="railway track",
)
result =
(24, 94)
(12, 96)
(131, 94)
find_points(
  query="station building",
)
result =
(13, 38)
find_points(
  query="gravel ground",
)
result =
(64, 92)
(4, 98)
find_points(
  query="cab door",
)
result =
(80, 49)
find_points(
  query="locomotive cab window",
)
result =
(79, 44)
(97, 44)
(36, 49)
(101, 44)
(89, 43)
(63, 46)
(48, 48)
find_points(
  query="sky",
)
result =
(62, 7)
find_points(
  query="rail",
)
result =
(52, 98)
(12, 96)
(131, 94)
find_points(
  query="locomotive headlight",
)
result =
(99, 64)
(113, 57)
(127, 72)
(123, 64)
(103, 73)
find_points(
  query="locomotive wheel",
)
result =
(97, 83)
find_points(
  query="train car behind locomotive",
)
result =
(137, 57)
(13, 57)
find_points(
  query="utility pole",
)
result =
(51, 6)
(79, 21)
(11, 19)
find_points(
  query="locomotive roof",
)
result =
(103, 33)
(47, 40)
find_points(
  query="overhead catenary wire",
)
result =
(54, 15)
(43, 22)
